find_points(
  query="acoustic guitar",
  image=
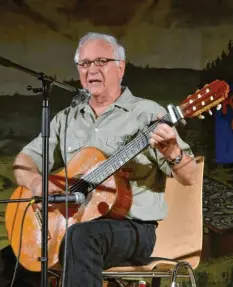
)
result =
(108, 192)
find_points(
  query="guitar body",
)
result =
(111, 199)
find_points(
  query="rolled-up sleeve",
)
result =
(162, 162)
(34, 148)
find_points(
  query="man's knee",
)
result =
(80, 234)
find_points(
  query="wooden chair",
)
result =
(179, 237)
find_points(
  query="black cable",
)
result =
(20, 242)
(83, 96)
(16, 200)
(66, 203)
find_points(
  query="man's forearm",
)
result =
(25, 170)
(185, 171)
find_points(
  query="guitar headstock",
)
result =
(203, 100)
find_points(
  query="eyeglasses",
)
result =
(99, 62)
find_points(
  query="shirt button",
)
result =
(96, 129)
(69, 148)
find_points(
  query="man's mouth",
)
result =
(94, 81)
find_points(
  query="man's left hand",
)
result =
(163, 138)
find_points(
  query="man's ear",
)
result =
(121, 69)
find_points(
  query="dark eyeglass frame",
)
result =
(87, 63)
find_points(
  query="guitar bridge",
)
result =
(38, 217)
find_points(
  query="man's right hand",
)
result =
(36, 186)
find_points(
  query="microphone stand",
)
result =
(47, 83)
(45, 134)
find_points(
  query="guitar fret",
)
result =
(115, 166)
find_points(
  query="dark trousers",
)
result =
(100, 244)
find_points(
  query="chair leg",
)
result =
(115, 283)
(175, 271)
(56, 278)
(156, 282)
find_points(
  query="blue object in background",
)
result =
(224, 136)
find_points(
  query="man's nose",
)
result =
(93, 69)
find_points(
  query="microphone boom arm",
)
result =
(9, 64)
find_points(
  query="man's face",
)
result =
(99, 80)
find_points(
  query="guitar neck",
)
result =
(123, 155)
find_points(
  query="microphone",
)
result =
(82, 96)
(76, 197)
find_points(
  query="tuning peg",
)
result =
(210, 112)
(201, 117)
(219, 107)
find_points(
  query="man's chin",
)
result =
(95, 91)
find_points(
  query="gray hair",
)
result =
(119, 50)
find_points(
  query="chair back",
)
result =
(179, 235)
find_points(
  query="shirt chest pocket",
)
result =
(115, 143)
(73, 145)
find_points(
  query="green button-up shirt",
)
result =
(115, 127)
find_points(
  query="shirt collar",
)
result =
(82, 106)
(125, 101)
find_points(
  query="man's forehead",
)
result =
(96, 46)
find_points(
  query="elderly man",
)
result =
(107, 120)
